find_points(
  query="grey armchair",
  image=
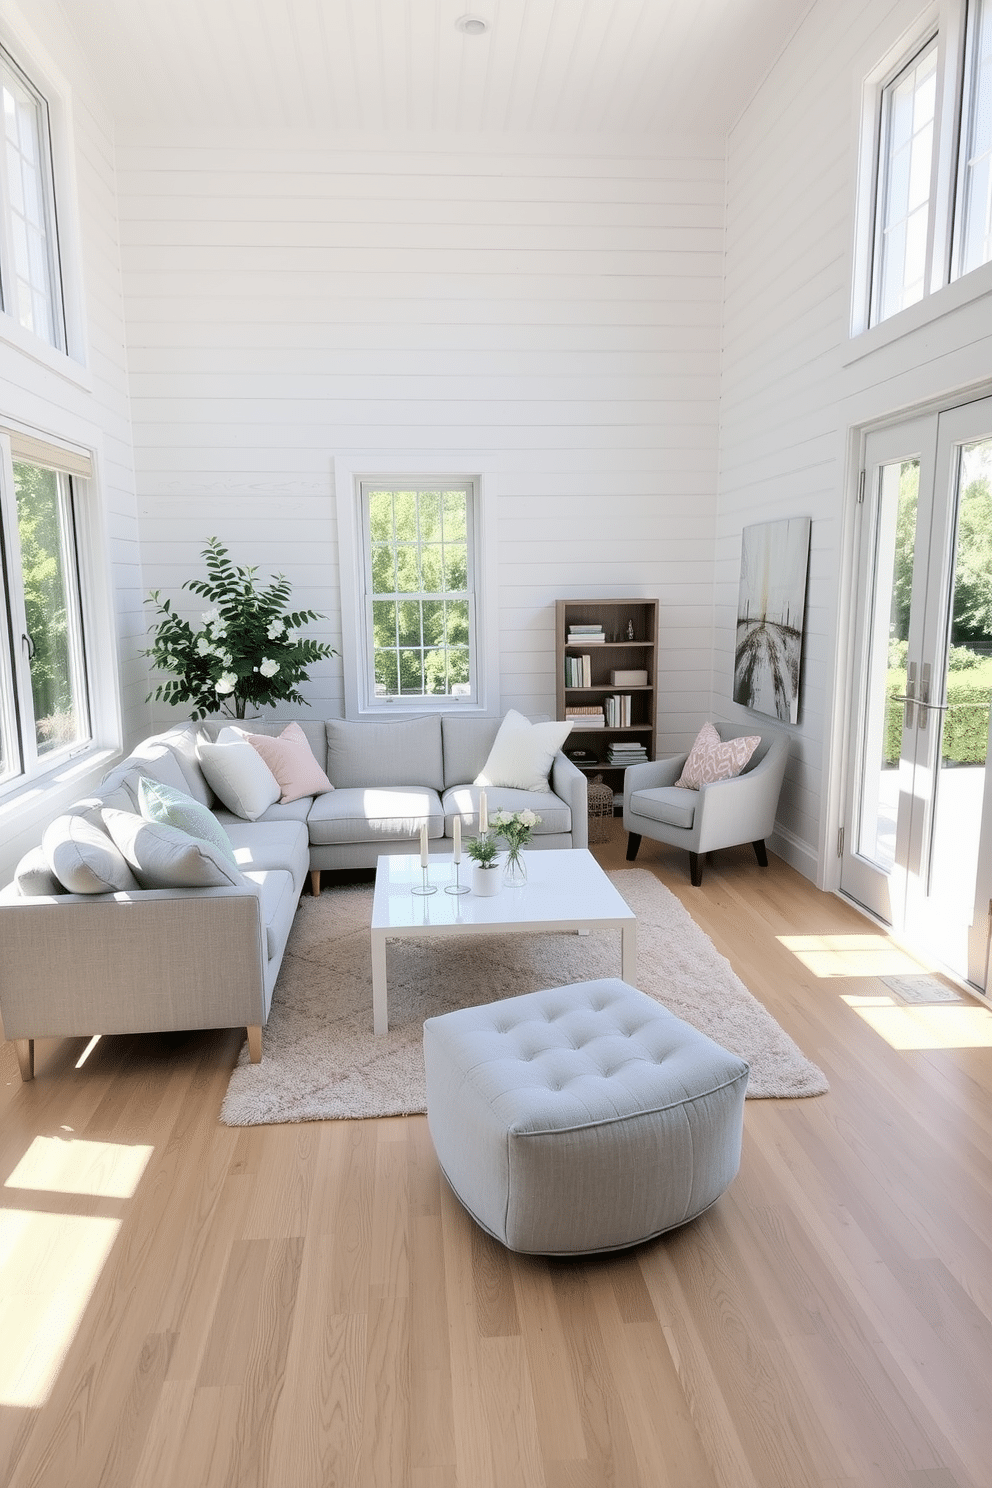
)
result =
(723, 814)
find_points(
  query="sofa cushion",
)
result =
(466, 743)
(463, 801)
(292, 762)
(238, 774)
(381, 814)
(84, 858)
(288, 811)
(161, 803)
(400, 751)
(165, 858)
(712, 758)
(522, 753)
(151, 758)
(33, 876)
(259, 846)
(670, 804)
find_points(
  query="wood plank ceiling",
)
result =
(585, 67)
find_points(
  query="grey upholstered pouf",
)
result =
(582, 1118)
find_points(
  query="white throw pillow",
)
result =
(238, 774)
(83, 858)
(522, 753)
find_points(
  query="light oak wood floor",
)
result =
(184, 1304)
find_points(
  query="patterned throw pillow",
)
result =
(161, 803)
(712, 758)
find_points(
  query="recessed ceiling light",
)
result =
(472, 25)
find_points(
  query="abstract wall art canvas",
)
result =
(768, 652)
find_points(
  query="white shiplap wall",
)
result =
(793, 390)
(549, 311)
(84, 400)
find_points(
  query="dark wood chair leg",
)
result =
(760, 854)
(633, 843)
(696, 861)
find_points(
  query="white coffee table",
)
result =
(566, 890)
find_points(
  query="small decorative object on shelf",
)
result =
(487, 875)
(516, 829)
(630, 630)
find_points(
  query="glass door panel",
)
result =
(918, 833)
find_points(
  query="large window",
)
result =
(44, 713)
(930, 151)
(419, 590)
(30, 285)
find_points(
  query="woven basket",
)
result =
(600, 799)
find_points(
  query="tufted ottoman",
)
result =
(582, 1118)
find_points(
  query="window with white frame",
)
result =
(930, 156)
(30, 284)
(44, 703)
(418, 546)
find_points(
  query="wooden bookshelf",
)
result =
(619, 652)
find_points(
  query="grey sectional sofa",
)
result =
(147, 960)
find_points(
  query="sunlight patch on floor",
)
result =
(49, 1267)
(103, 1170)
(850, 955)
(961, 1026)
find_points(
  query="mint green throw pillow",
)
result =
(172, 807)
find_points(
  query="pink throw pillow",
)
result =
(292, 762)
(712, 758)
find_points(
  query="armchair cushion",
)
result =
(712, 758)
(669, 804)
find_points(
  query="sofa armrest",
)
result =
(147, 962)
(568, 782)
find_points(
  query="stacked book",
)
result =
(585, 718)
(586, 635)
(578, 671)
(626, 754)
(617, 710)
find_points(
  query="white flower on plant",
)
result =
(226, 682)
(203, 646)
(529, 818)
(275, 630)
(210, 617)
(268, 667)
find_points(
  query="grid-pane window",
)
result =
(29, 278)
(975, 247)
(43, 708)
(420, 593)
(905, 181)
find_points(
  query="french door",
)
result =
(917, 842)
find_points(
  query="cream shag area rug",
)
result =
(320, 1059)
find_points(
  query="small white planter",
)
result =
(487, 881)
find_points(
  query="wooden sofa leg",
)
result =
(25, 1058)
(255, 1043)
(633, 843)
(760, 853)
(696, 861)
(315, 882)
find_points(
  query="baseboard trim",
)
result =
(797, 854)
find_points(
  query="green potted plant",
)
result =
(486, 874)
(248, 652)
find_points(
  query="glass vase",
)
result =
(514, 869)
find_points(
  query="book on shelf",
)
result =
(617, 710)
(578, 671)
(587, 717)
(627, 756)
(586, 635)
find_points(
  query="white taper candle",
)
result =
(458, 839)
(423, 846)
(483, 812)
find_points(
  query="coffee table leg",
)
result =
(628, 953)
(380, 1010)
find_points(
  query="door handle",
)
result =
(924, 699)
(907, 697)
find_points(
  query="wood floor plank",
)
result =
(310, 1305)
